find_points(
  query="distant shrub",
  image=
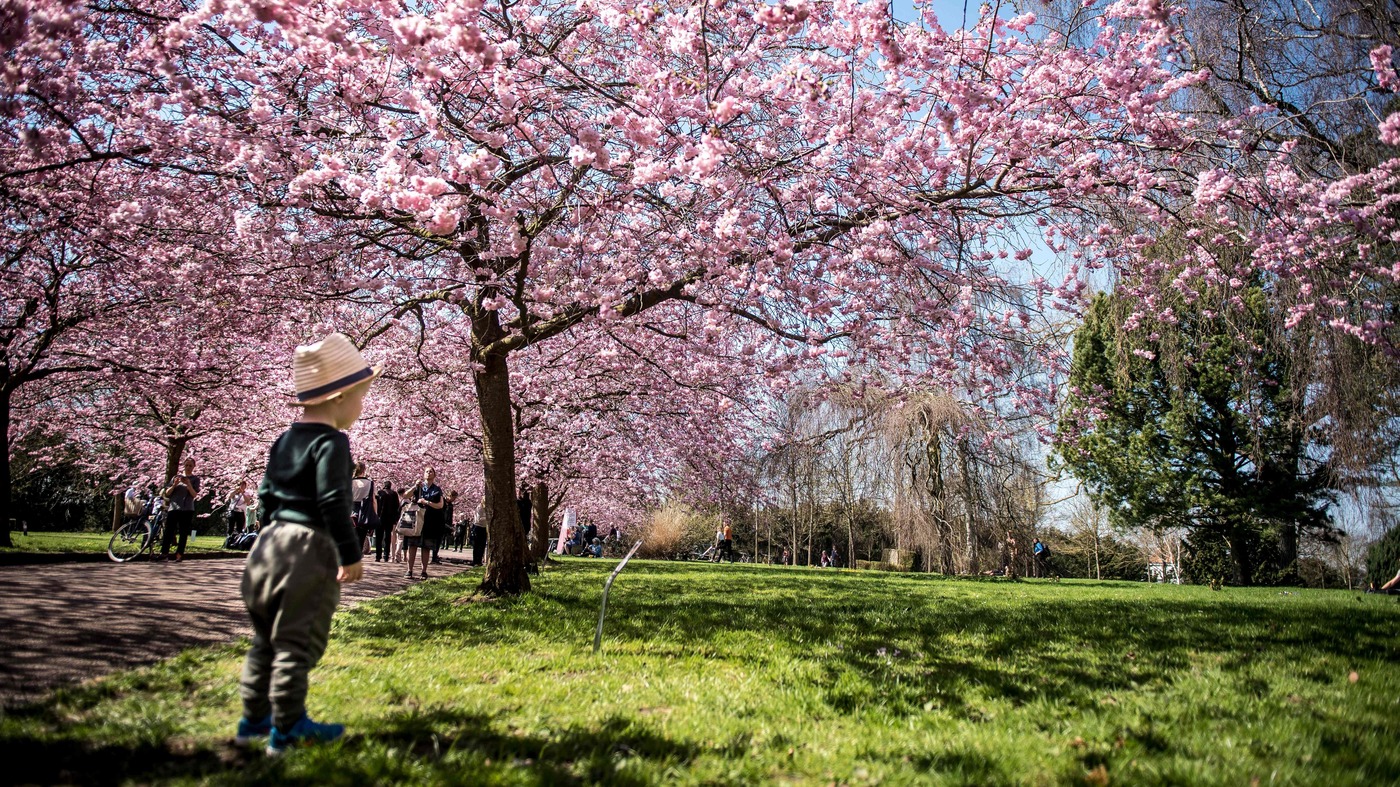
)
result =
(1206, 559)
(673, 531)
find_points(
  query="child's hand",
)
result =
(351, 573)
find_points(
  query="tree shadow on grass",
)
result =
(76, 761)
(432, 745)
(904, 643)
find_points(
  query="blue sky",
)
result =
(949, 12)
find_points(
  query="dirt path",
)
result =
(64, 623)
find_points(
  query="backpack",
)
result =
(364, 513)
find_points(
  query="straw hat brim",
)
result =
(322, 398)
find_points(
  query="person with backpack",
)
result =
(363, 507)
(1042, 557)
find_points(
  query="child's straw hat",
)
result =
(324, 370)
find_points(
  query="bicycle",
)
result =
(135, 537)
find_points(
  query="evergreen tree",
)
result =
(1193, 423)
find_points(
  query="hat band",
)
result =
(332, 387)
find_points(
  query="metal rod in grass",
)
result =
(603, 611)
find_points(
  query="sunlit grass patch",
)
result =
(93, 542)
(747, 674)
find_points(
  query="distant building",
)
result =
(1161, 567)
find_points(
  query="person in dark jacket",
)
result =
(306, 547)
(388, 501)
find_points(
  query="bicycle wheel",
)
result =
(129, 541)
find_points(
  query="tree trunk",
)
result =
(505, 561)
(969, 522)
(811, 528)
(6, 508)
(539, 527)
(1239, 551)
(850, 536)
(1098, 569)
(792, 561)
(174, 452)
(1288, 549)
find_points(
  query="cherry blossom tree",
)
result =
(536, 168)
(542, 179)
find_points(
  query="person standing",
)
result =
(727, 544)
(183, 490)
(458, 524)
(522, 508)
(428, 495)
(364, 505)
(387, 501)
(566, 530)
(132, 504)
(479, 533)
(1010, 556)
(238, 502)
(306, 549)
(406, 505)
(250, 515)
(448, 523)
(1042, 556)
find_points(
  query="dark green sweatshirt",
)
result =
(308, 482)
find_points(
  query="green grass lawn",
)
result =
(38, 541)
(742, 674)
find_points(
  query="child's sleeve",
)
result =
(333, 469)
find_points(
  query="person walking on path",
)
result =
(448, 516)
(183, 490)
(238, 502)
(306, 547)
(406, 505)
(428, 495)
(1042, 556)
(387, 501)
(364, 505)
(479, 533)
(457, 525)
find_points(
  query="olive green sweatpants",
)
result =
(290, 589)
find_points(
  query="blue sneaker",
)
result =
(304, 733)
(249, 730)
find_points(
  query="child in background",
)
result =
(306, 546)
